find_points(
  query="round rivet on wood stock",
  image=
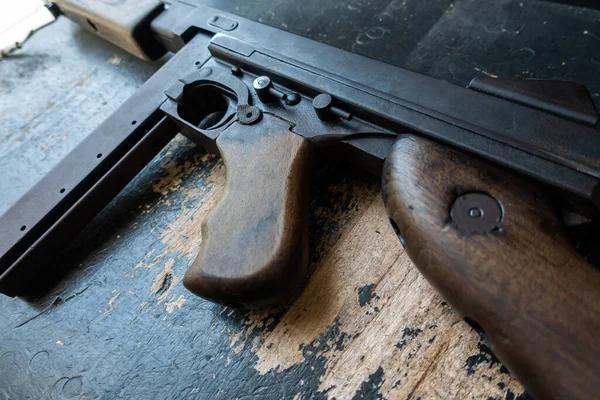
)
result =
(476, 213)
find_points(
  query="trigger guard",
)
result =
(221, 80)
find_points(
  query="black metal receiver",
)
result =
(241, 88)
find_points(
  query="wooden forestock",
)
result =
(536, 299)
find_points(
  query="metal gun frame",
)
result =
(520, 125)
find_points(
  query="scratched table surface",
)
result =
(117, 323)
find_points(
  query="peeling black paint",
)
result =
(408, 334)
(411, 332)
(332, 339)
(365, 294)
(484, 356)
(511, 396)
(401, 344)
(369, 389)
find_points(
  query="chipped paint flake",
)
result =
(111, 301)
(170, 306)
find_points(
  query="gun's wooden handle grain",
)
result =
(536, 298)
(254, 248)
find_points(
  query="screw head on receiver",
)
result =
(265, 91)
(261, 83)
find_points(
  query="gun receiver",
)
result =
(463, 182)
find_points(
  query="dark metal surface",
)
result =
(566, 99)
(579, 3)
(325, 109)
(485, 125)
(81, 346)
(31, 263)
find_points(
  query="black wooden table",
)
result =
(118, 323)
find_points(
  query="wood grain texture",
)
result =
(254, 250)
(131, 30)
(536, 299)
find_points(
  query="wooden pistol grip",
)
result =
(536, 299)
(254, 249)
